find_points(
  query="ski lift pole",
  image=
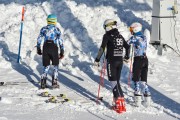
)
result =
(21, 29)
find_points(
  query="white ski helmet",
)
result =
(110, 24)
(135, 27)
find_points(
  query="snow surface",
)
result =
(81, 24)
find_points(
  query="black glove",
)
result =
(97, 60)
(96, 63)
(39, 51)
(126, 57)
(61, 55)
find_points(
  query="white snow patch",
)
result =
(5, 100)
(3, 118)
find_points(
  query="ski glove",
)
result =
(126, 58)
(39, 51)
(97, 60)
(96, 64)
(61, 55)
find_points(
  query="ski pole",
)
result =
(130, 66)
(104, 72)
(104, 68)
(101, 79)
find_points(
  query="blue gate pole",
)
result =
(22, 20)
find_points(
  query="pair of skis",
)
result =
(61, 98)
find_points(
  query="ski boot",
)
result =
(137, 95)
(119, 106)
(146, 91)
(43, 83)
(147, 97)
(55, 83)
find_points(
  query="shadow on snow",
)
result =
(23, 69)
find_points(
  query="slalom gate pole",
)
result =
(130, 66)
(22, 21)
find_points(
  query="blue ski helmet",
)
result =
(52, 19)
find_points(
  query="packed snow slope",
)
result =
(81, 23)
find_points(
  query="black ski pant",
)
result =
(114, 72)
(50, 53)
(140, 68)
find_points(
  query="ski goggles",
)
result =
(131, 29)
(52, 20)
(110, 24)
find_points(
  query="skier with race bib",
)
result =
(140, 64)
(50, 39)
(114, 42)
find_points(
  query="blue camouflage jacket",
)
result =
(50, 32)
(139, 42)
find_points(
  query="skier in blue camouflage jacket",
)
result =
(50, 38)
(140, 64)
